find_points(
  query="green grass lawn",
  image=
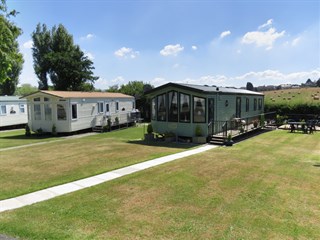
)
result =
(17, 138)
(266, 187)
(37, 167)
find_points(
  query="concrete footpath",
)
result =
(52, 192)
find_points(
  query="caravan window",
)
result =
(61, 112)
(3, 110)
(162, 110)
(153, 109)
(47, 112)
(37, 111)
(199, 110)
(100, 107)
(74, 109)
(185, 108)
(117, 106)
(173, 106)
(21, 107)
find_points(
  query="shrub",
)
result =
(198, 131)
(116, 120)
(54, 130)
(149, 128)
(39, 131)
(262, 119)
(28, 132)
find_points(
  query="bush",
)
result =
(39, 131)
(28, 132)
(198, 131)
(149, 128)
(262, 119)
(54, 130)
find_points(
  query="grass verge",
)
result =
(266, 187)
(36, 167)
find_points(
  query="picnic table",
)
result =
(303, 126)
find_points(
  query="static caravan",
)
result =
(181, 108)
(13, 111)
(71, 111)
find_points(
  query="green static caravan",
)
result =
(181, 108)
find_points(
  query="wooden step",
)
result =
(97, 129)
(217, 140)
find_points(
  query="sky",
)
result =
(212, 42)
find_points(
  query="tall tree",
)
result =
(11, 59)
(250, 86)
(41, 38)
(56, 56)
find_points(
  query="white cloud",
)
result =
(126, 53)
(173, 50)
(295, 41)
(89, 55)
(194, 47)
(267, 24)
(262, 39)
(103, 83)
(28, 44)
(224, 34)
(276, 77)
(88, 36)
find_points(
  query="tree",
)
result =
(136, 89)
(56, 55)
(41, 38)
(25, 89)
(11, 59)
(250, 86)
(318, 83)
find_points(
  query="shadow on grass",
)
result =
(316, 165)
(24, 137)
(163, 144)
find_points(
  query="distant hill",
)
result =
(286, 101)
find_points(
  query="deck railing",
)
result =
(237, 126)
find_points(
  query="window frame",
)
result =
(100, 108)
(247, 104)
(193, 109)
(22, 106)
(45, 113)
(72, 112)
(170, 117)
(164, 97)
(65, 112)
(255, 104)
(34, 112)
(180, 108)
(5, 109)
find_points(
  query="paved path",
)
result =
(45, 194)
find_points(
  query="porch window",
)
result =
(46, 99)
(37, 111)
(100, 107)
(21, 108)
(47, 112)
(37, 99)
(74, 111)
(255, 104)
(3, 110)
(247, 105)
(199, 110)
(184, 108)
(162, 113)
(153, 109)
(61, 112)
(173, 106)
